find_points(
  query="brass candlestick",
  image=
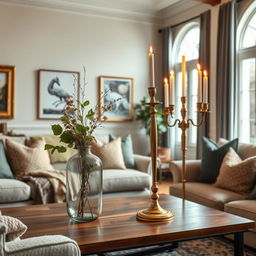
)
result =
(183, 124)
(155, 212)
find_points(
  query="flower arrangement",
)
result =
(79, 121)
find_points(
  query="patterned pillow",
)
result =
(15, 228)
(25, 159)
(110, 154)
(236, 175)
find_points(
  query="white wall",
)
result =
(35, 38)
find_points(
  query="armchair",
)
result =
(56, 245)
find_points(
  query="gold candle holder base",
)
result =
(155, 213)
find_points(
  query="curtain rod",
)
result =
(178, 24)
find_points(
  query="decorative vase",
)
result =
(84, 185)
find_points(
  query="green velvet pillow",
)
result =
(127, 151)
(212, 158)
(252, 195)
(5, 169)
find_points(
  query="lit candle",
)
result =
(183, 70)
(199, 86)
(205, 87)
(166, 101)
(152, 66)
(171, 89)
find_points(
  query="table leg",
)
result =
(239, 244)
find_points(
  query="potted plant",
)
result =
(142, 114)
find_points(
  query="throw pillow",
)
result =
(110, 154)
(252, 195)
(127, 150)
(56, 156)
(236, 175)
(212, 158)
(24, 159)
(15, 228)
(5, 169)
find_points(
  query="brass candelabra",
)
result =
(183, 124)
(155, 212)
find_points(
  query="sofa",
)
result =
(124, 182)
(210, 195)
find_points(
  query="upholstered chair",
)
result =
(56, 245)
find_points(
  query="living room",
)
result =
(101, 40)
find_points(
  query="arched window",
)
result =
(246, 56)
(186, 44)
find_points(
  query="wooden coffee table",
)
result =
(117, 228)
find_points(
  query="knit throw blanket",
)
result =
(46, 186)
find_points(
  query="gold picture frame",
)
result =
(54, 87)
(117, 91)
(7, 80)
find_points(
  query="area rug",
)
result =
(200, 247)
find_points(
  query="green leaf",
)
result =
(81, 129)
(61, 149)
(57, 129)
(48, 146)
(90, 114)
(67, 137)
(86, 103)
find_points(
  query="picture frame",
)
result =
(54, 88)
(7, 82)
(119, 92)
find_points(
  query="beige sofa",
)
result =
(116, 183)
(214, 197)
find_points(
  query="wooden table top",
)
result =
(117, 227)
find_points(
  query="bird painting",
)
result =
(58, 92)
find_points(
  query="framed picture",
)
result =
(7, 80)
(119, 92)
(54, 88)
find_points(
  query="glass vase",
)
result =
(84, 186)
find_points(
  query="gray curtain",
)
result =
(204, 60)
(166, 47)
(225, 90)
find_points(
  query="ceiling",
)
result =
(144, 10)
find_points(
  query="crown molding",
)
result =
(143, 12)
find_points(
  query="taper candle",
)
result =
(152, 66)
(199, 84)
(183, 72)
(166, 101)
(205, 87)
(171, 89)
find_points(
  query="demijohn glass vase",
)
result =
(84, 185)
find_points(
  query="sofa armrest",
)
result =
(192, 170)
(143, 163)
(57, 245)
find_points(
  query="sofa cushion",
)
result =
(125, 180)
(236, 175)
(24, 159)
(56, 156)
(127, 150)
(212, 158)
(5, 169)
(243, 208)
(12, 190)
(110, 154)
(206, 194)
(15, 228)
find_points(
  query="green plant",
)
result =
(142, 114)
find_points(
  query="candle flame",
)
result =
(172, 73)
(205, 73)
(151, 50)
(198, 66)
(165, 81)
